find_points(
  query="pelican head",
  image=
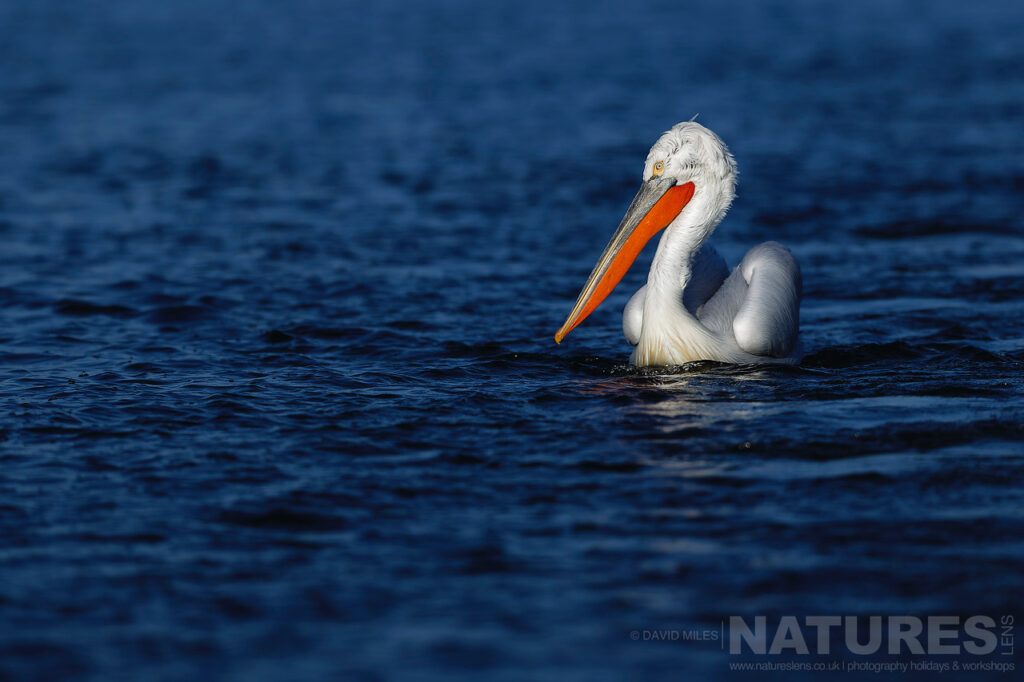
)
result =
(690, 168)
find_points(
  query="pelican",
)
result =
(692, 308)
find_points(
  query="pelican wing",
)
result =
(633, 316)
(759, 303)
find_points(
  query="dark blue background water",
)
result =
(278, 391)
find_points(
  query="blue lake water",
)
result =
(279, 397)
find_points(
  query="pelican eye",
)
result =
(659, 167)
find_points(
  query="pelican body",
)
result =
(692, 308)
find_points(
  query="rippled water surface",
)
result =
(278, 284)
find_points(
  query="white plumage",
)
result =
(692, 308)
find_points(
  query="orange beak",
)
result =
(655, 206)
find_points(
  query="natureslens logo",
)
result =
(879, 643)
(978, 635)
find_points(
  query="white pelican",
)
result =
(691, 307)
